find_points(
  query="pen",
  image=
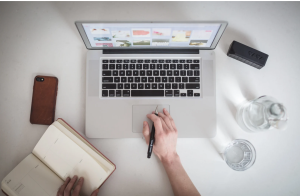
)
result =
(152, 139)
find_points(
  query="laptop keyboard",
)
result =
(155, 77)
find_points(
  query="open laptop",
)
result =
(132, 67)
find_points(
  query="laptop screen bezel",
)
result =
(86, 41)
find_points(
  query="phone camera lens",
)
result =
(38, 79)
(42, 79)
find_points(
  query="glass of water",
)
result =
(239, 155)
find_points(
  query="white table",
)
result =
(41, 38)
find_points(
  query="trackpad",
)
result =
(139, 115)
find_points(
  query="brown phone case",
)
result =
(43, 100)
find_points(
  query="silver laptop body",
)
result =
(115, 112)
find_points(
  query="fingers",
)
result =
(68, 189)
(95, 193)
(146, 132)
(170, 117)
(62, 188)
(166, 120)
(157, 122)
(78, 187)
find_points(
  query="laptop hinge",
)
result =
(151, 51)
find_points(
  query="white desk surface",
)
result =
(41, 38)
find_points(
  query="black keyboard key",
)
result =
(109, 86)
(177, 79)
(111, 93)
(133, 86)
(126, 93)
(166, 66)
(127, 86)
(186, 66)
(128, 73)
(140, 86)
(181, 86)
(119, 66)
(196, 73)
(179, 66)
(173, 66)
(194, 79)
(104, 66)
(169, 73)
(182, 73)
(149, 73)
(112, 66)
(171, 79)
(145, 66)
(147, 93)
(183, 94)
(123, 79)
(190, 73)
(175, 61)
(196, 61)
(147, 86)
(120, 86)
(161, 61)
(189, 93)
(147, 61)
(140, 61)
(115, 73)
(118, 93)
(137, 79)
(195, 66)
(132, 61)
(106, 73)
(168, 86)
(130, 79)
(174, 86)
(184, 79)
(119, 61)
(181, 61)
(135, 73)
(132, 66)
(176, 73)
(152, 66)
(122, 73)
(107, 79)
(112, 61)
(196, 94)
(138, 66)
(162, 72)
(164, 79)
(125, 66)
(159, 66)
(126, 61)
(150, 79)
(144, 79)
(189, 61)
(192, 86)
(156, 73)
(154, 61)
(116, 79)
(105, 61)
(168, 61)
(161, 86)
(169, 93)
(176, 93)
(104, 93)
(142, 73)
(154, 86)
(157, 79)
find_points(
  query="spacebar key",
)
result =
(147, 93)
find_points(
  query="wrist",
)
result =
(170, 159)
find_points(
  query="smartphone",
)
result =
(43, 100)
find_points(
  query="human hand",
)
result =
(165, 136)
(65, 189)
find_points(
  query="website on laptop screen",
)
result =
(151, 34)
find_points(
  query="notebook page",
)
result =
(67, 159)
(31, 177)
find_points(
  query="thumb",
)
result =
(146, 131)
(95, 193)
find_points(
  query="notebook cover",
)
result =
(94, 147)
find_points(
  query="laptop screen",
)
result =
(148, 35)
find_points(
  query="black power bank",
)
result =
(247, 55)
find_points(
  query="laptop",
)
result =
(132, 67)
